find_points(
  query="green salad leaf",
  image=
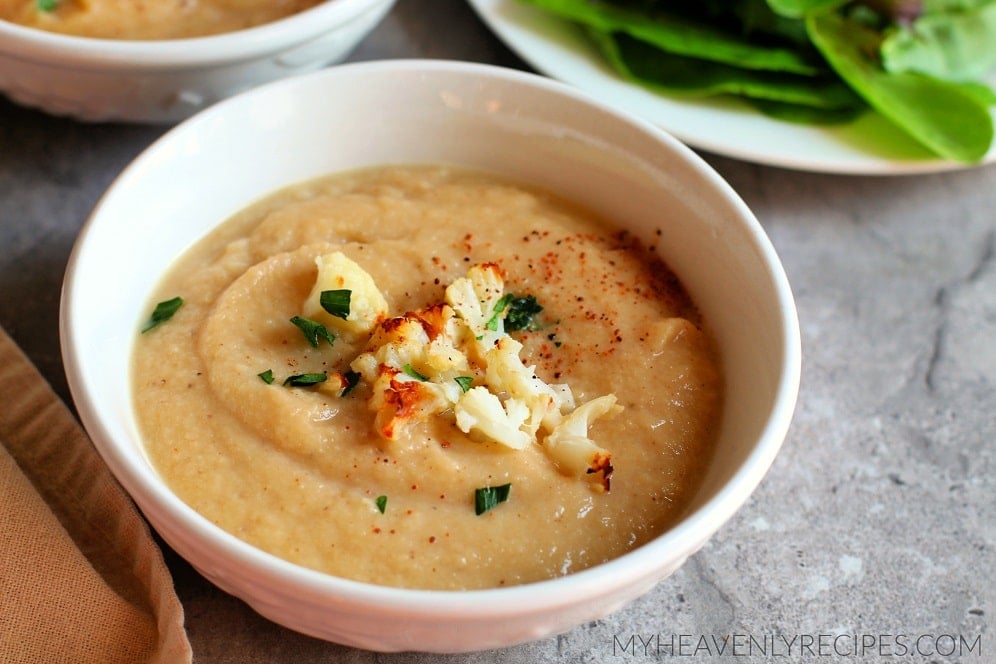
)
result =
(983, 93)
(955, 46)
(675, 33)
(636, 61)
(799, 8)
(944, 117)
(920, 64)
(938, 6)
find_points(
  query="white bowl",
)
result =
(482, 117)
(165, 81)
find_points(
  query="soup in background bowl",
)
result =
(114, 19)
(513, 126)
(167, 76)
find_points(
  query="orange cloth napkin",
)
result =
(81, 579)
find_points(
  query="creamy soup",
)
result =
(390, 441)
(147, 19)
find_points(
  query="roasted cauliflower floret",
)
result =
(480, 410)
(474, 299)
(399, 400)
(367, 305)
(506, 372)
(422, 340)
(569, 446)
(410, 366)
(444, 355)
(423, 364)
(400, 341)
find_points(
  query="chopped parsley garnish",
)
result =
(489, 497)
(305, 379)
(313, 330)
(163, 312)
(336, 302)
(464, 382)
(522, 313)
(352, 379)
(46, 5)
(266, 376)
(411, 371)
(381, 503)
(500, 305)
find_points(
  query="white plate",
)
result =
(868, 146)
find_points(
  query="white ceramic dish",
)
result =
(868, 146)
(511, 123)
(169, 80)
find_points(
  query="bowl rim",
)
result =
(683, 539)
(35, 44)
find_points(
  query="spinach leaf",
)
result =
(916, 62)
(799, 8)
(680, 35)
(758, 20)
(944, 117)
(935, 6)
(802, 114)
(641, 63)
(985, 94)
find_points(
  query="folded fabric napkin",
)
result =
(81, 579)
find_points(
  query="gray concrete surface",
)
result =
(873, 535)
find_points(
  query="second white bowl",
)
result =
(165, 81)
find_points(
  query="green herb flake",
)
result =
(47, 6)
(381, 503)
(313, 330)
(519, 312)
(500, 305)
(336, 302)
(413, 372)
(163, 312)
(489, 497)
(522, 312)
(266, 376)
(352, 379)
(464, 382)
(305, 379)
